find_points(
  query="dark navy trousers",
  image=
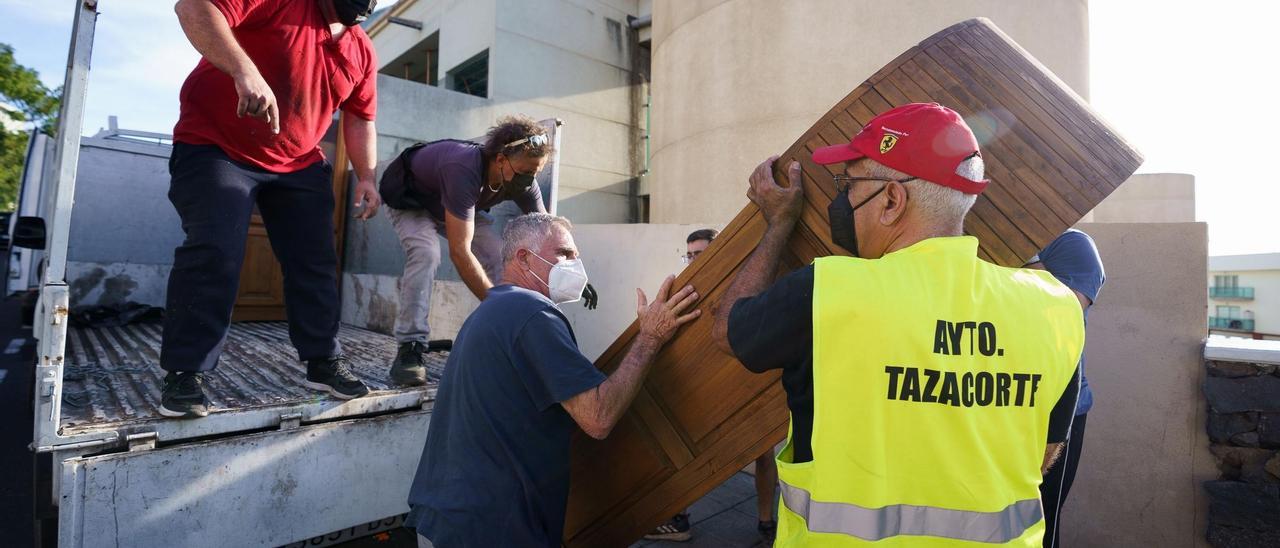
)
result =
(1057, 483)
(215, 198)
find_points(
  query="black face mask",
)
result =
(521, 181)
(518, 181)
(353, 12)
(840, 218)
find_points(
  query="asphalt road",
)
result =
(17, 358)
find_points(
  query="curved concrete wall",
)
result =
(735, 81)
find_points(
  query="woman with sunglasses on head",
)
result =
(447, 187)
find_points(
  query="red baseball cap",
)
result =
(924, 140)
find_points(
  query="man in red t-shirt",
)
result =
(252, 115)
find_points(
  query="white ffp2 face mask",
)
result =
(568, 279)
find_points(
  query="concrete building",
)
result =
(577, 60)
(1149, 198)
(1244, 294)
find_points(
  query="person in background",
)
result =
(1073, 259)
(697, 242)
(678, 527)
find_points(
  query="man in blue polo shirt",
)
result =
(495, 468)
(1073, 259)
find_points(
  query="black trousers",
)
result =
(1057, 483)
(215, 197)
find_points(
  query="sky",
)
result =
(1189, 86)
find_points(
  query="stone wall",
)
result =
(1244, 435)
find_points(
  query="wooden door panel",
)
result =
(260, 271)
(701, 416)
(261, 293)
(684, 395)
(647, 463)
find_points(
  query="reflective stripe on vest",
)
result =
(904, 519)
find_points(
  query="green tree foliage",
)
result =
(13, 151)
(26, 101)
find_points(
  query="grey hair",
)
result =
(937, 205)
(528, 232)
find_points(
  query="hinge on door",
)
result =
(289, 421)
(142, 441)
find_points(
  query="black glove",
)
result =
(589, 297)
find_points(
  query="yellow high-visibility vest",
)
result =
(934, 374)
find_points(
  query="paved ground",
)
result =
(17, 356)
(725, 518)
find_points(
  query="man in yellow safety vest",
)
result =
(923, 382)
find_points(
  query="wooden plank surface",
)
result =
(701, 416)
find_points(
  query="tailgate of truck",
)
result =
(113, 380)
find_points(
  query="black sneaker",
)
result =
(183, 396)
(768, 531)
(410, 367)
(334, 376)
(676, 529)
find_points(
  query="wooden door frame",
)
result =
(341, 175)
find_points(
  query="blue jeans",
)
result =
(420, 236)
(215, 197)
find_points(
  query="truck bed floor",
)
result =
(113, 374)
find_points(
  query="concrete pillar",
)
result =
(735, 81)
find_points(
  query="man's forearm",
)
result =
(360, 137)
(209, 33)
(1051, 454)
(470, 270)
(616, 393)
(754, 276)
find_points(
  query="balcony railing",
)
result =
(1231, 293)
(1230, 323)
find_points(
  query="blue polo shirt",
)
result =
(495, 468)
(1073, 259)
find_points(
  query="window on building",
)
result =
(1226, 281)
(643, 216)
(419, 63)
(1228, 311)
(470, 76)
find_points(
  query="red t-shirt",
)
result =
(310, 73)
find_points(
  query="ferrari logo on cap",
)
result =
(887, 142)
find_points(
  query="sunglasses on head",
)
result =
(532, 140)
